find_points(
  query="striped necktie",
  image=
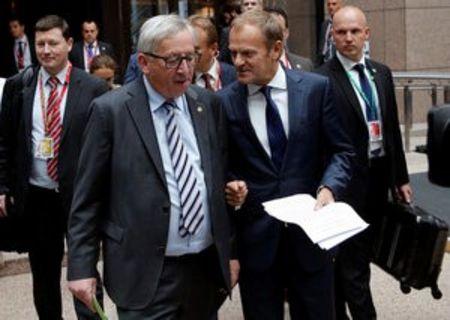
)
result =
(191, 204)
(54, 126)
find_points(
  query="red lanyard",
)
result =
(58, 101)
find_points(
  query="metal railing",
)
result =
(413, 81)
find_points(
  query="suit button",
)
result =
(161, 250)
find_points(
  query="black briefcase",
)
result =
(438, 145)
(410, 246)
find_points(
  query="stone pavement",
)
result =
(16, 298)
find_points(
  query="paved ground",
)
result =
(16, 298)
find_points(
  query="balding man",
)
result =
(326, 49)
(247, 5)
(364, 91)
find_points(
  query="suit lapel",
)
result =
(343, 82)
(27, 103)
(240, 106)
(140, 113)
(199, 114)
(73, 97)
(380, 88)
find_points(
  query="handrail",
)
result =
(419, 80)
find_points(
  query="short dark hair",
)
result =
(279, 11)
(50, 22)
(102, 61)
(15, 18)
(206, 25)
(89, 21)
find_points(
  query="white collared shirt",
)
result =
(257, 106)
(349, 68)
(214, 73)
(39, 176)
(26, 51)
(96, 50)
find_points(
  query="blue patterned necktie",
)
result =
(275, 131)
(191, 204)
(371, 109)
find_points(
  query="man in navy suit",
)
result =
(285, 137)
(209, 72)
(84, 51)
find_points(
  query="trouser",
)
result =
(188, 289)
(354, 256)
(47, 227)
(310, 294)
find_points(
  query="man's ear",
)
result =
(276, 50)
(70, 43)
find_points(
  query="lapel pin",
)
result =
(199, 108)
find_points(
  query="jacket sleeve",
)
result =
(89, 197)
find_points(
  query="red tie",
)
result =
(54, 126)
(20, 56)
(207, 78)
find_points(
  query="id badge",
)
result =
(375, 131)
(45, 149)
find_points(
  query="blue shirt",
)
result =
(176, 245)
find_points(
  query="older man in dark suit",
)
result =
(42, 121)
(151, 185)
(364, 93)
(286, 137)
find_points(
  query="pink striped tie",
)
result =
(54, 126)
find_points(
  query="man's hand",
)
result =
(235, 267)
(84, 290)
(324, 197)
(3, 212)
(404, 193)
(236, 192)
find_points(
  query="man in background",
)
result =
(209, 72)
(22, 53)
(364, 93)
(84, 51)
(289, 59)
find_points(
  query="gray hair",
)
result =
(159, 28)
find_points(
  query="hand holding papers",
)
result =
(326, 227)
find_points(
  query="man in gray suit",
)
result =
(150, 186)
(289, 59)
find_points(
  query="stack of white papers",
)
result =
(327, 227)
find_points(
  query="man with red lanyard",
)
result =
(209, 72)
(40, 138)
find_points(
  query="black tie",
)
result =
(275, 131)
(371, 109)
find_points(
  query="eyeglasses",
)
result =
(174, 62)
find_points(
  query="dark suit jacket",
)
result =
(10, 68)
(121, 194)
(76, 56)
(322, 42)
(299, 63)
(133, 70)
(314, 128)
(16, 127)
(347, 102)
(227, 74)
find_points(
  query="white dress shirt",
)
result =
(348, 67)
(39, 176)
(214, 73)
(26, 51)
(257, 106)
(96, 51)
